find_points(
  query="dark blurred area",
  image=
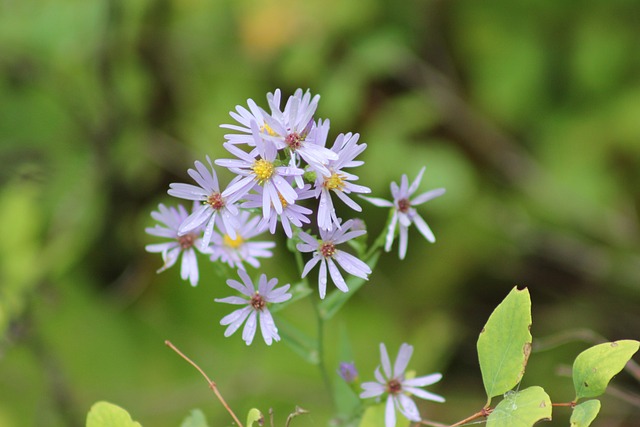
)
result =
(528, 113)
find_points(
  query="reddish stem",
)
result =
(212, 385)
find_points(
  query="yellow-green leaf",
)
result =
(505, 343)
(594, 367)
(584, 413)
(521, 409)
(105, 414)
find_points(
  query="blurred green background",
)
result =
(527, 112)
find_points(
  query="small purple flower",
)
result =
(256, 310)
(404, 211)
(262, 171)
(339, 181)
(214, 208)
(348, 372)
(291, 213)
(179, 244)
(328, 255)
(294, 127)
(245, 117)
(397, 388)
(235, 251)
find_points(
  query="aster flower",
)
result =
(291, 213)
(183, 244)
(339, 181)
(262, 171)
(255, 310)
(404, 211)
(236, 251)
(292, 129)
(328, 255)
(215, 207)
(393, 383)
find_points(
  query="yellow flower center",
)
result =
(233, 243)
(283, 201)
(267, 129)
(334, 182)
(263, 170)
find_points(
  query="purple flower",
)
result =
(397, 388)
(172, 218)
(348, 372)
(263, 171)
(235, 251)
(255, 310)
(294, 127)
(404, 211)
(245, 117)
(214, 208)
(339, 181)
(291, 213)
(328, 255)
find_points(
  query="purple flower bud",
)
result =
(348, 372)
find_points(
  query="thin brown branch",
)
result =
(212, 384)
(483, 413)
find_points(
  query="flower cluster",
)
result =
(284, 171)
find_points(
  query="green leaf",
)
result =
(105, 414)
(594, 367)
(254, 416)
(584, 413)
(298, 341)
(374, 417)
(521, 409)
(505, 343)
(334, 301)
(196, 419)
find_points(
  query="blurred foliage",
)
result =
(527, 112)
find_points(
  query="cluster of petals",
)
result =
(172, 218)
(392, 382)
(214, 208)
(328, 255)
(404, 212)
(236, 251)
(255, 308)
(338, 181)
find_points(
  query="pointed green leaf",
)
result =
(195, 419)
(105, 414)
(374, 417)
(521, 409)
(505, 343)
(254, 416)
(594, 367)
(584, 413)
(298, 341)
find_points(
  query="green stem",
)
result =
(321, 356)
(320, 345)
